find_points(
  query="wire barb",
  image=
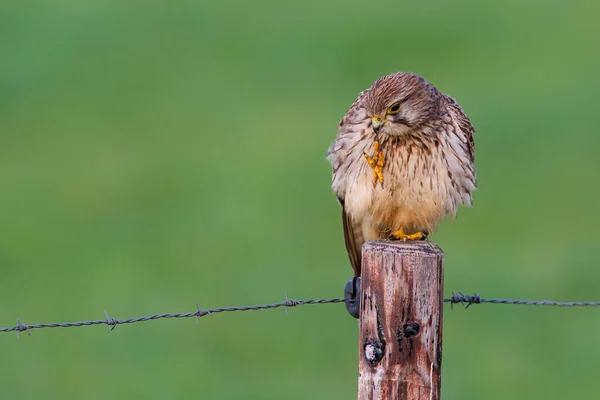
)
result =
(201, 313)
(20, 328)
(289, 303)
(465, 300)
(111, 322)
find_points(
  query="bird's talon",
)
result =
(376, 163)
(400, 235)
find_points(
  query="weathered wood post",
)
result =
(400, 342)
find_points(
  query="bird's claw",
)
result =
(376, 164)
(400, 235)
(352, 292)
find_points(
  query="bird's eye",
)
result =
(394, 108)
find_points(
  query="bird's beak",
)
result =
(377, 122)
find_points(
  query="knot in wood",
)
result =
(411, 329)
(373, 351)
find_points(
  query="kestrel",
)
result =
(420, 170)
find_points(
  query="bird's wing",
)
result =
(341, 155)
(351, 115)
(464, 123)
(354, 240)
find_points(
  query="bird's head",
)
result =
(400, 103)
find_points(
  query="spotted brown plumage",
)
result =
(426, 141)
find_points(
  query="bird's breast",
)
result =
(418, 189)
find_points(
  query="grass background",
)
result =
(154, 155)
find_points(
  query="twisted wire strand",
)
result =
(457, 298)
(467, 300)
(113, 322)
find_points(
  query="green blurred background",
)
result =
(158, 154)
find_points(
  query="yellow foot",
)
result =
(376, 164)
(400, 235)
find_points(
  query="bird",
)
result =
(402, 161)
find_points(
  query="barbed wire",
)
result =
(200, 312)
(467, 300)
(457, 298)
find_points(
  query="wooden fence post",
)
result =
(400, 342)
